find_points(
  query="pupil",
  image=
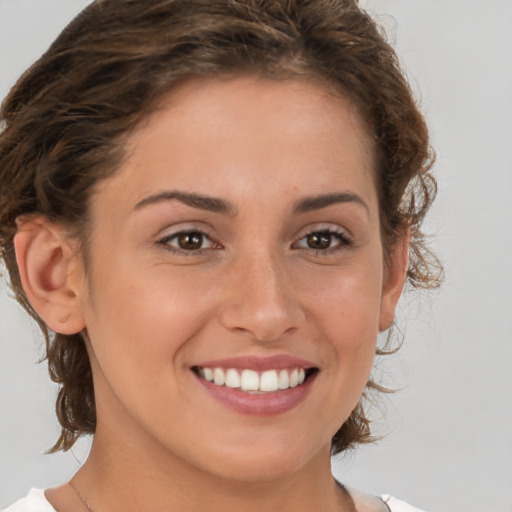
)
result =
(319, 240)
(190, 241)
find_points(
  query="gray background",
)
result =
(449, 447)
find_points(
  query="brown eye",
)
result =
(320, 240)
(324, 241)
(187, 242)
(191, 241)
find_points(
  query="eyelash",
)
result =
(165, 242)
(344, 242)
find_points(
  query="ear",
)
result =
(51, 273)
(394, 280)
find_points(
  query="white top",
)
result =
(397, 505)
(36, 501)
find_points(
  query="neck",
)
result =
(118, 477)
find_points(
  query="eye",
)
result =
(321, 240)
(187, 241)
(324, 240)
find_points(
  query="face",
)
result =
(235, 284)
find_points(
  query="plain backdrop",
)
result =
(449, 442)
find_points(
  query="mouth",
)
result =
(255, 385)
(255, 382)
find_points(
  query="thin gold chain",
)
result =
(347, 495)
(82, 499)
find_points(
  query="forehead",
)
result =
(248, 132)
(301, 103)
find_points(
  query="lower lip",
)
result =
(259, 404)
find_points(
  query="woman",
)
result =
(211, 209)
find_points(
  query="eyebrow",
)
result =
(214, 204)
(211, 204)
(313, 203)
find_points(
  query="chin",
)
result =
(262, 463)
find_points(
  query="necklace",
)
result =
(342, 487)
(82, 499)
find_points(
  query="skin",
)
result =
(255, 287)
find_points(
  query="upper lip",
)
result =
(258, 363)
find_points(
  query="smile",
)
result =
(252, 381)
(255, 385)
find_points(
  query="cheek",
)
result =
(346, 313)
(139, 328)
(139, 321)
(352, 340)
(346, 302)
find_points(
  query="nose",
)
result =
(260, 299)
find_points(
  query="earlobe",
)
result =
(395, 277)
(50, 273)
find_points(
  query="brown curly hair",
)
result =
(63, 124)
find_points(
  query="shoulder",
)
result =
(369, 503)
(34, 501)
(395, 505)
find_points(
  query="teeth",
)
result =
(284, 380)
(218, 376)
(208, 374)
(252, 381)
(294, 378)
(249, 381)
(232, 379)
(269, 381)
